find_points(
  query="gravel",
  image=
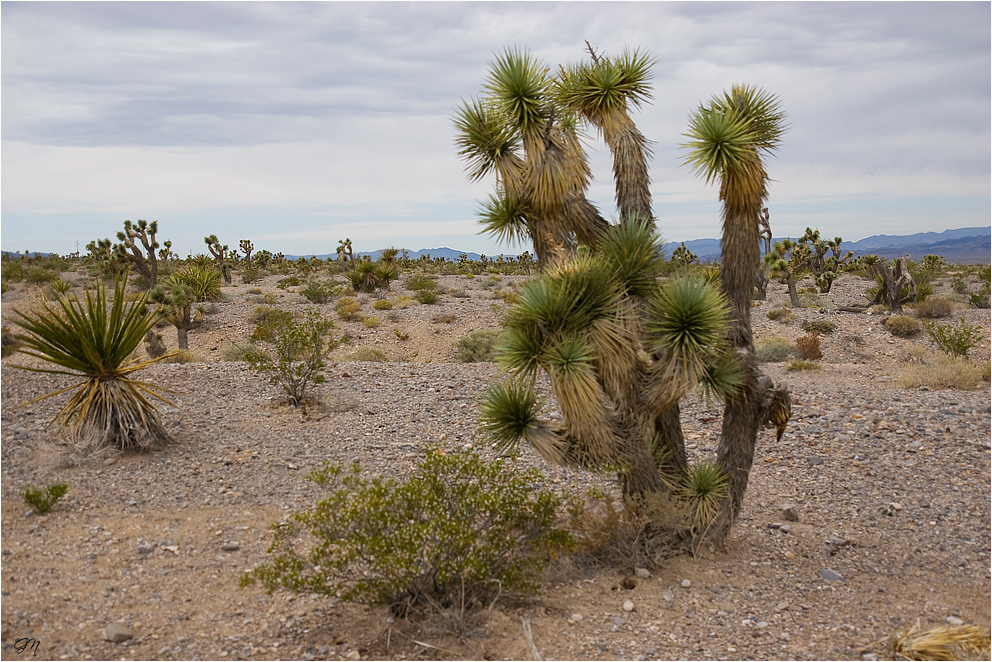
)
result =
(897, 506)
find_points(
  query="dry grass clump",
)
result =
(903, 326)
(934, 307)
(809, 347)
(781, 315)
(774, 350)
(945, 642)
(370, 354)
(801, 364)
(943, 371)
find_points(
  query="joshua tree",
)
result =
(344, 251)
(897, 284)
(219, 251)
(620, 349)
(786, 261)
(247, 247)
(142, 257)
(761, 281)
(727, 139)
(176, 297)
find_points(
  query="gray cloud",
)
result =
(309, 106)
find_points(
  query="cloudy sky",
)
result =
(299, 124)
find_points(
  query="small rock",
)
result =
(110, 461)
(323, 650)
(30, 513)
(830, 575)
(172, 548)
(230, 547)
(146, 548)
(836, 542)
(790, 513)
(643, 573)
(814, 461)
(628, 605)
(353, 655)
(117, 633)
(575, 618)
(782, 606)
(618, 621)
(785, 528)
(869, 656)
(761, 624)
(954, 620)
(686, 583)
(668, 594)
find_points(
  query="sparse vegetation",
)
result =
(774, 350)
(782, 315)
(943, 371)
(477, 347)
(802, 364)
(934, 307)
(370, 354)
(820, 326)
(42, 501)
(903, 326)
(459, 531)
(808, 347)
(953, 340)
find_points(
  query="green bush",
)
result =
(320, 291)
(347, 308)
(288, 281)
(958, 284)
(933, 308)
(903, 326)
(419, 282)
(426, 296)
(774, 350)
(383, 304)
(477, 347)
(823, 327)
(42, 502)
(802, 364)
(300, 349)
(267, 320)
(980, 300)
(458, 532)
(12, 270)
(40, 275)
(956, 341)
(371, 322)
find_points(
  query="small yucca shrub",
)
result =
(93, 341)
(703, 489)
(458, 531)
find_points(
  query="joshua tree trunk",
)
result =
(793, 294)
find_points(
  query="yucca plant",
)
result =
(704, 489)
(93, 340)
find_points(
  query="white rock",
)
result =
(954, 620)
(628, 606)
(686, 583)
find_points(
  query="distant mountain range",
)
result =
(961, 246)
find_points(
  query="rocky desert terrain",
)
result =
(871, 514)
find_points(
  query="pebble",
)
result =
(954, 620)
(814, 461)
(230, 547)
(643, 573)
(830, 575)
(628, 605)
(117, 633)
(668, 594)
(686, 583)
(575, 618)
(353, 655)
(146, 548)
(790, 513)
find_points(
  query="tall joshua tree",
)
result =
(727, 139)
(620, 348)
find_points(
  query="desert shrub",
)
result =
(933, 307)
(808, 347)
(458, 531)
(402, 335)
(703, 488)
(42, 502)
(490, 282)
(426, 297)
(236, 351)
(12, 270)
(958, 284)
(418, 282)
(202, 281)
(774, 350)
(40, 275)
(957, 341)
(809, 299)
(802, 364)
(402, 302)
(267, 320)
(288, 281)
(979, 300)
(320, 291)
(348, 307)
(250, 275)
(383, 304)
(823, 327)
(460, 294)
(477, 347)
(298, 359)
(371, 321)
(944, 371)
(782, 315)
(444, 319)
(903, 326)
(370, 354)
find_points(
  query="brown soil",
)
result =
(891, 487)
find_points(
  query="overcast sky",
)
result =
(298, 124)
